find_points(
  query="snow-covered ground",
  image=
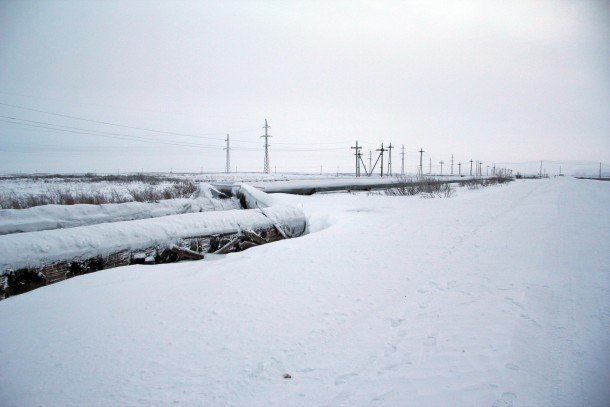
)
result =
(494, 297)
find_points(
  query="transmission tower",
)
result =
(228, 160)
(266, 136)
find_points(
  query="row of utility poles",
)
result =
(478, 165)
(478, 169)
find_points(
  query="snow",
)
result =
(494, 297)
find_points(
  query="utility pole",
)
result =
(370, 162)
(228, 160)
(451, 164)
(430, 167)
(488, 170)
(471, 167)
(381, 151)
(480, 168)
(266, 136)
(357, 156)
(494, 170)
(421, 169)
(441, 163)
(362, 161)
(402, 169)
(540, 168)
(390, 147)
(460, 168)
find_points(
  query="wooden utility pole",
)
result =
(381, 151)
(364, 166)
(390, 147)
(357, 157)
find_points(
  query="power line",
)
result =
(100, 133)
(115, 136)
(203, 135)
(60, 127)
(122, 125)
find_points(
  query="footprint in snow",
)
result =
(506, 400)
(342, 379)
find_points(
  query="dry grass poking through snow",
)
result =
(130, 188)
(431, 188)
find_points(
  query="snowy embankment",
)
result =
(49, 217)
(495, 297)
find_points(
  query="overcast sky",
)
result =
(495, 81)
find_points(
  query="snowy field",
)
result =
(494, 297)
(26, 185)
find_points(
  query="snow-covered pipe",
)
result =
(47, 217)
(35, 249)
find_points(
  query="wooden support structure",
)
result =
(186, 253)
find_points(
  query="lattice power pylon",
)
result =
(266, 136)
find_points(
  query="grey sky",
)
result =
(494, 81)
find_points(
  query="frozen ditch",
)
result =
(86, 240)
